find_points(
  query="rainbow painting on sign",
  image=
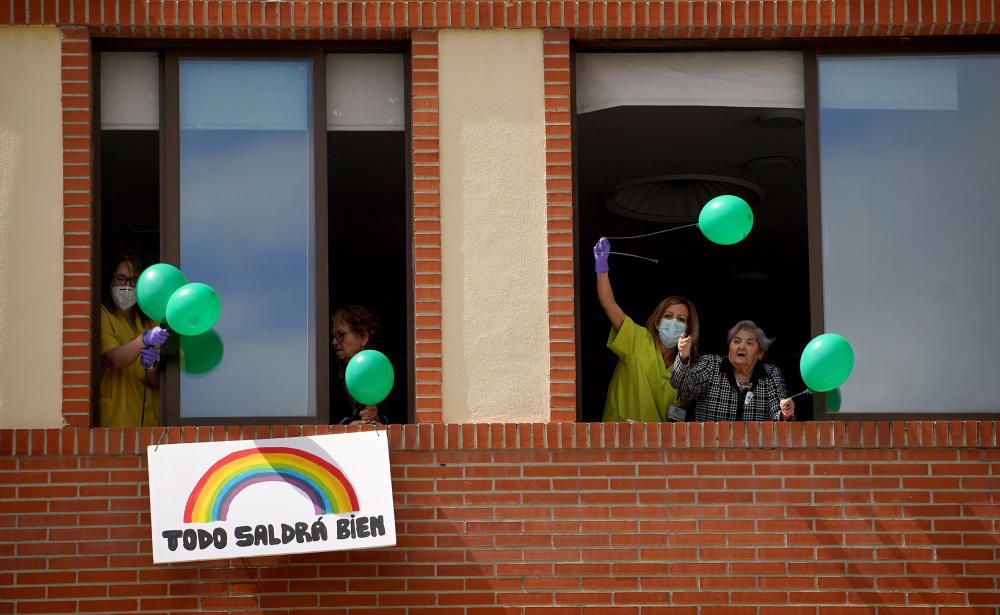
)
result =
(319, 480)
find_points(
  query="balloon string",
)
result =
(652, 260)
(162, 435)
(666, 230)
(802, 393)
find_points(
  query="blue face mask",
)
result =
(671, 331)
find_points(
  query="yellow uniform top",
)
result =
(126, 398)
(640, 387)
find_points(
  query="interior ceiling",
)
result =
(627, 143)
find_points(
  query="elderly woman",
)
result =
(737, 387)
(352, 329)
(640, 387)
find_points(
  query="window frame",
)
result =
(812, 49)
(948, 46)
(170, 410)
(170, 51)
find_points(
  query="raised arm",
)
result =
(602, 249)
(691, 379)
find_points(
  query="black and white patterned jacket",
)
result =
(712, 383)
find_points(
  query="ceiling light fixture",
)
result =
(676, 198)
(781, 119)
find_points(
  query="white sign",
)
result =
(244, 498)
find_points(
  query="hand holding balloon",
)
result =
(826, 364)
(155, 336)
(601, 251)
(787, 406)
(725, 220)
(369, 414)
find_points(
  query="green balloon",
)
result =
(201, 354)
(826, 362)
(725, 220)
(369, 377)
(834, 400)
(155, 286)
(193, 309)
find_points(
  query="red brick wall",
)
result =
(426, 225)
(638, 519)
(78, 217)
(561, 243)
(369, 19)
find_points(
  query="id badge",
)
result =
(677, 415)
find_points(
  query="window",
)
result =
(247, 224)
(284, 219)
(898, 254)
(657, 136)
(908, 153)
(367, 166)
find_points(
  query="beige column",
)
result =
(31, 225)
(495, 341)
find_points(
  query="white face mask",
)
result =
(123, 296)
(671, 331)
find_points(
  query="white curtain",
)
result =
(130, 91)
(715, 79)
(364, 91)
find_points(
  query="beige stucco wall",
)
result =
(495, 340)
(31, 247)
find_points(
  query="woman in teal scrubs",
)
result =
(640, 388)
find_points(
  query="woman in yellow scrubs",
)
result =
(130, 353)
(640, 388)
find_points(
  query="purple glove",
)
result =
(601, 251)
(149, 357)
(155, 336)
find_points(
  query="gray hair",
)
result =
(748, 325)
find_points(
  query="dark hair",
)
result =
(125, 256)
(693, 326)
(360, 319)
